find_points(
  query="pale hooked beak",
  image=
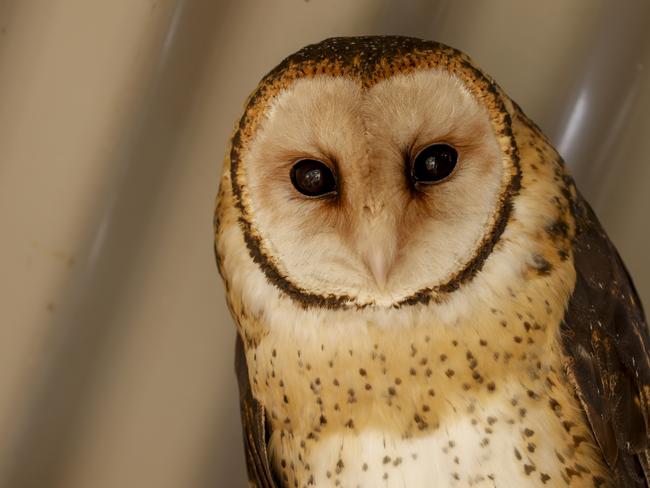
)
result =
(379, 265)
(376, 240)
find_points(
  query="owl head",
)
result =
(373, 179)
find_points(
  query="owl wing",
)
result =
(253, 426)
(607, 344)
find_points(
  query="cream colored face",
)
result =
(380, 239)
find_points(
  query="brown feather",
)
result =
(606, 339)
(253, 425)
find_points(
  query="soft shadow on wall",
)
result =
(127, 380)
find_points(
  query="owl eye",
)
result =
(313, 178)
(433, 164)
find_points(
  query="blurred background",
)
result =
(116, 348)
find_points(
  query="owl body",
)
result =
(397, 331)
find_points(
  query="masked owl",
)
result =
(422, 296)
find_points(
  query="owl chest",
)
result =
(491, 444)
(465, 452)
(478, 403)
(417, 415)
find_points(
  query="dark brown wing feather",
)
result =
(607, 343)
(253, 425)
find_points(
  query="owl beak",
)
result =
(376, 241)
(378, 262)
(378, 246)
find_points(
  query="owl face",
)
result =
(374, 192)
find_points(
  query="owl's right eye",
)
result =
(313, 178)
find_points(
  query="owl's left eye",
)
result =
(313, 178)
(433, 164)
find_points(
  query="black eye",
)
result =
(433, 163)
(313, 178)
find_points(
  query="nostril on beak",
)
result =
(373, 208)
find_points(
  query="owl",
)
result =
(422, 297)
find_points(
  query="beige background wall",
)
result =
(115, 343)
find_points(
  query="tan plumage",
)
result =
(399, 336)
